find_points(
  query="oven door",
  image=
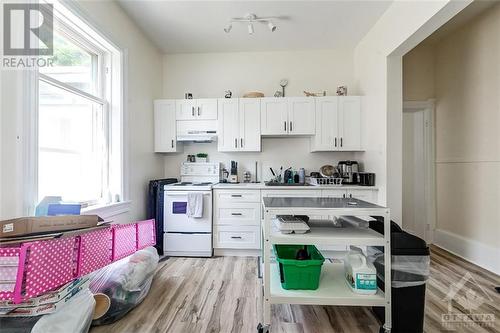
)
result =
(175, 218)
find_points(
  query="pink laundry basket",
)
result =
(94, 251)
(49, 264)
(124, 240)
(146, 234)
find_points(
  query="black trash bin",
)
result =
(410, 270)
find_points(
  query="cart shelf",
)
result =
(329, 236)
(333, 290)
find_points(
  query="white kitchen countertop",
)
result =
(262, 186)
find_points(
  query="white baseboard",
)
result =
(237, 252)
(485, 256)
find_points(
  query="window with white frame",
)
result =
(79, 151)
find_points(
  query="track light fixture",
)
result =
(251, 19)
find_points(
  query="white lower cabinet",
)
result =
(237, 219)
(237, 237)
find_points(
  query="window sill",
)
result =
(108, 211)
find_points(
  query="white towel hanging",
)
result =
(194, 205)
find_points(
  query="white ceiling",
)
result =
(197, 26)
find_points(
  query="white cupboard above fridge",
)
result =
(196, 109)
(239, 125)
(338, 124)
(165, 127)
(287, 116)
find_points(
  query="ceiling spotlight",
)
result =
(250, 19)
(271, 26)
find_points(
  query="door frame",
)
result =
(428, 108)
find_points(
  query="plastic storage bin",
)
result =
(298, 274)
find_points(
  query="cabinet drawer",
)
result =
(229, 237)
(231, 196)
(240, 214)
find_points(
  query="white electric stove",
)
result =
(184, 235)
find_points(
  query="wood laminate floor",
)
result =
(223, 294)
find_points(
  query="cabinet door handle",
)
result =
(236, 237)
(341, 142)
(241, 143)
(236, 195)
(291, 128)
(172, 143)
(335, 142)
(285, 125)
(199, 111)
(192, 111)
(235, 143)
(236, 214)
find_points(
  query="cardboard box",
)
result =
(46, 224)
(47, 303)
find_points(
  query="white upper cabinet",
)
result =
(165, 127)
(194, 109)
(273, 116)
(338, 124)
(349, 123)
(250, 124)
(228, 125)
(287, 116)
(326, 124)
(239, 124)
(301, 115)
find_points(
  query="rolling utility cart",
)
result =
(333, 290)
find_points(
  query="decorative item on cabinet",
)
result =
(278, 94)
(283, 84)
(188, 95)
(228, 94)
(253, 94)
(342, 91)
(202, 158)
(312, 94)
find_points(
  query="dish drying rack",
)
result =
(332, 181)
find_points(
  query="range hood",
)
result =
(198, 136)
(197, 130)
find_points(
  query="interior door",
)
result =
(175, 217)
(206, 108)
(185, 109)
(326, 124)
(165, 127)
(301, 116)
(349, 123)
(414, 165)
(249, 124)
(274, 116)
(228, 125)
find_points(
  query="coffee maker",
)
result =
(348, 171)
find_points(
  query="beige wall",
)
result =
(210, 74)
(468, 129)
(462, 71)
(143, 76)
(418, 69)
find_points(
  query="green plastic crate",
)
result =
(298, 274)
